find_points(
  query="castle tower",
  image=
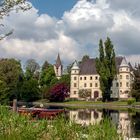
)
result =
(58, 67)
(124, 80)
(74, 89)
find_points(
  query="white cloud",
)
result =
(76, 33)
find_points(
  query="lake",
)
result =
(126, 121)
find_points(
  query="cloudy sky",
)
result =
(72, 28)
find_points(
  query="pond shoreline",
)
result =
(90, 105)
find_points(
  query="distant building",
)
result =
(58, 67)
(85, 76)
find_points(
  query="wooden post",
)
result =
(15, 105)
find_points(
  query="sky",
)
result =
(72, 28)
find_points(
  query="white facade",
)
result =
(121, 85)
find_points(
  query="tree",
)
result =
(10, 70)
(32, 68)
(29, 90)
(106, 67)
(84, 58)
(65, 79)
(47, 79)
(58, 93)
(47, 75)
(85, 93)
(136, 84)
(6, 6)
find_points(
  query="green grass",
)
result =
(16, 127)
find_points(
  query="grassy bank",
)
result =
(13, 127)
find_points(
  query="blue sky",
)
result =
(54, 8)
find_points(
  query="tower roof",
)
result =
(75, 66)
(58, 61)
(124, 63)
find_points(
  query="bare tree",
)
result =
(6, 6)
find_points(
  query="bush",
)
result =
(130, 101)
(58, 92)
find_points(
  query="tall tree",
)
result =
(106, 67)
(47, 78)
(10, 71)
(136, 84)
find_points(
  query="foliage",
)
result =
(106, 67)
(47, 79)
(14, 126)
(136, 84)
(131, 101)
(29, 90)
(10, 71)
(58, 92)
(85, 93)
(6, 6)
(84, 58)
(65, 79)
(32, 69)
(47, 75)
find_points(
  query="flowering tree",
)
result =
(58, 92)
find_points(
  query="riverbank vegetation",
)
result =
(13, 126)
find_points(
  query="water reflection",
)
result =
(127, 123)
(85, 117)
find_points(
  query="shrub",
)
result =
(130, 101)
(58, 92)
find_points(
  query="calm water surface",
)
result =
(127, 122)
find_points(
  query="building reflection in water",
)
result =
(124, 125)
(85, 117)
(121, 120)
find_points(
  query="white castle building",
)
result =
(84, 76)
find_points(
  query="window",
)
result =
(80, 78)
(75, 84)
(74, 92)
(85, 78)
(75, 78)
(127, 76)
(90, 84)
(96, 84)
(117, 84)
(120, 76)
(120, 84)
(127, 84)
(96, 77)
(120, 69)
(85, 85)
(90, 77)
(75, 71)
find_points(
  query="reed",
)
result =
(16, 127)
